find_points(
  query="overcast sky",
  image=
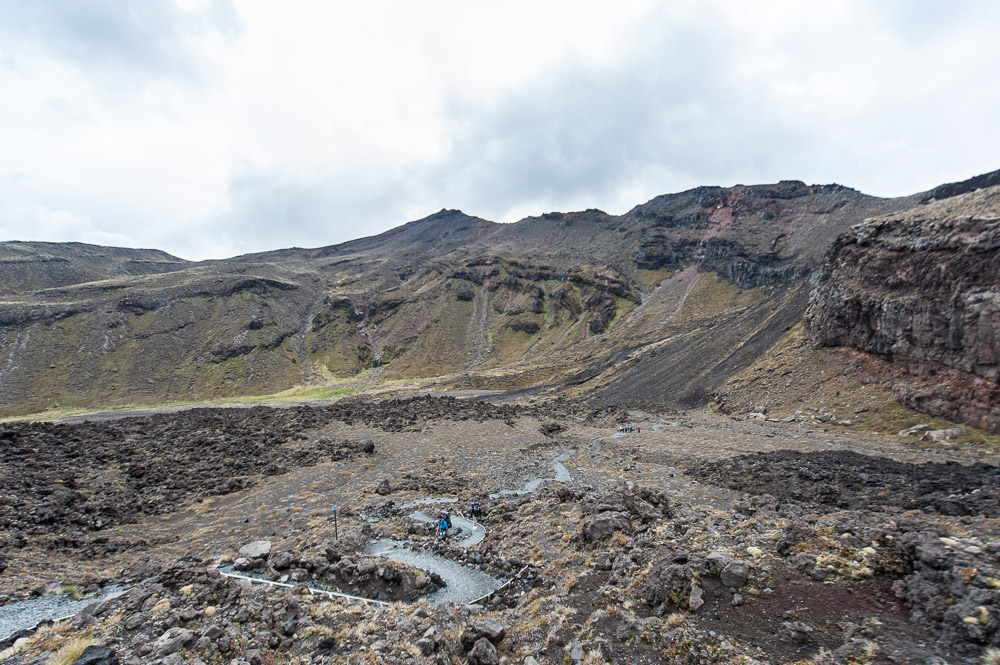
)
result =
(210, 128)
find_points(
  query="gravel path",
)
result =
(27, 614)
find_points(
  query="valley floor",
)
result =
(690, 540)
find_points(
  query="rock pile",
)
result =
(847, 479)
(339, 569)
(68, 478)
(189, 614)
(615, 510)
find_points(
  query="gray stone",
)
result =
(134, 621)
(280, 560)
(213, 632)
(943, 435)
(290, 627)
(696, 599)
(95, 655)
(628, 627)
(735, 574)
(602, 526)
(795, 631)
(718, 560)
(258, 549)
(483, 653)
(489, 629)
(172, 641)
(426, 646)
(671, 580)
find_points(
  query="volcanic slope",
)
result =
(452, 298)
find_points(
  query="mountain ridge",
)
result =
(712, 276)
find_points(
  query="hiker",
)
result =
(442, 527)
(476, 510)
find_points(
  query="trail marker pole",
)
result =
(336, 534)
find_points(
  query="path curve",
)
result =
(465, 584)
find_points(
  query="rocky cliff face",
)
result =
(922, 288)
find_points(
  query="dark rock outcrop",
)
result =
(922, 288)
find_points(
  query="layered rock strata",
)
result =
(922, 288)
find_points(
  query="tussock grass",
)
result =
(43, 633)
(677, 619)
(72, 591)
(70, 652)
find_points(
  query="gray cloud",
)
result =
(672, 106)
(148, 38)
(270, 210)
(890, 98)
(679, 110)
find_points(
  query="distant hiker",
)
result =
(476, 510)
(442, 528)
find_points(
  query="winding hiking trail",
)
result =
(464, 583)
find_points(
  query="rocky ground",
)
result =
(699, 539)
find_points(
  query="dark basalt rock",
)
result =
(922, 288)
(846, 479)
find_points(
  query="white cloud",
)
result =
(208, 130)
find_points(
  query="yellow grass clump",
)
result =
(70, 652)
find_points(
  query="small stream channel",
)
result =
(465, 583)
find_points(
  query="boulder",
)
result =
(280, 560)
(716, 561)
(943, 435)
(483, 653)
(258, 549)
(426, 646)
(600, 527)
(735, 574)
(172, 641)
(671, 580)
(490, 629)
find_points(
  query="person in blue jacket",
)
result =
(442, 527)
